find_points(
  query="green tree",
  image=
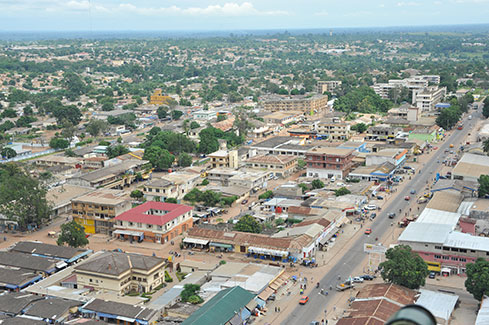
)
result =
(210, 198)
(485, 146)
(304, 187)
(94, 127)
(59, 143)
(193, 196)
(477, 282)
(171, 200)
(22, 197)
(342, 191)
(266, 195)
(485, 108)
(194, 125)
(74, 85)
(448, 117)
(315, 184)
(176, 114)
(404, 267)
(301, 163)
(208, 141)
(360, 127)
(248, 224)
(221, 118)
(162, 112)
(160, 159)
(137, 194)
(70, 153)
(8, 153)
(115, 151)
(189, 294)
(184, 160)
(72, 234)
(483, 185)
(70, 113)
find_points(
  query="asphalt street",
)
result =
(314, 309)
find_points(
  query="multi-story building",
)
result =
(96, 210)
(329, 162)
(281, 146)
(158, 98)
(307, 105)
(111, 176)
(204, 115)
(382, 133)
(328, 86)
(282, 118)
(442, 247)
(158, 222)
(121, 273)
(173, 185)
(224, 158)
(395, 156)
(383, 89)
(281, 166)
(334, 129)
(425, 99)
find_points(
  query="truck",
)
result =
(470, 117)
(344, 286)
(406, 221)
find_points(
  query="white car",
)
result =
(357, 279)
(370, 207)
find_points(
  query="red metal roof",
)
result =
(139, 213)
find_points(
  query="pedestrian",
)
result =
(275, 308)
(279, 309)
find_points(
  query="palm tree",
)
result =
(485, 146)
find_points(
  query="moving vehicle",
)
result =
(304, 300)
(368, 231)
(413, 191)
(432, 275)
(244, 202)
(380, 197)
(470, 117)
(422, 200)
(407, 198)
(370, 207)
(391, 215)
(451, 145)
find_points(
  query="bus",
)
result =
(434, 266)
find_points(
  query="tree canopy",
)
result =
(22, 198)
(404, 267)
(362, 99)
(72, 234)
(248, 224)
(161, 159)
(477, 282)
(483, 185)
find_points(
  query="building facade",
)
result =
(307, 105)
(333, 129)
(328, 86)
(157, 222)
(328, 162)
(281, 166)
(96, 210)
(173, 185)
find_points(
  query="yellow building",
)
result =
(158, 98)
(96, 210)
(121, 272)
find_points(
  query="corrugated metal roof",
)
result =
(425, 232)
(439, 217)
(440, 304)
(464, 208)
(221, 308)
(467, 241)
(483, 314)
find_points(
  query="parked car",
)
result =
(368, 231)
(391, 215)
(304, 300)
(272, 297)
(432, 275)
(373, 215)
(357, 279)
(371, 207)
(380, 197)
(244, 202)
(367, 277)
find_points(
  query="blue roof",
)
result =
(442, 105)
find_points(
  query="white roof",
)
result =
(483, 314)
(465, 207)
(439, 217)
(467, 241)
(440, 304)
(425, 232)
(471, 158)
(310, 230)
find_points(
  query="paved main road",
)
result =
(314, 309)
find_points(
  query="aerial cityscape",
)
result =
(209, 162)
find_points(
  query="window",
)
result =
(454, 258)
(446, 257)
(463, 250)
(437, 247)
(437, 256)
(446, 248)
(131, 223)
(454, 249)
(462, 260)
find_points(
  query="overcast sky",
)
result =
(234, 14)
